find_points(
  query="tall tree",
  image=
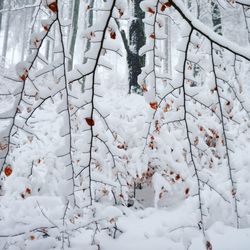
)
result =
(133, 44)
(24, 38)
(216, 17)
(167, 62)
(88, 24)
(73, 32)
(6, 36)
(1, 7)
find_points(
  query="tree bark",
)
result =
(1, 7)
(24, 34)
(133, 44)
(74, 32)
(5, 37)
(216, 18)
(89, 21)
(136, 41)
(167, 62)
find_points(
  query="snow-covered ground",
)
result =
(36, 216)
(149, 229)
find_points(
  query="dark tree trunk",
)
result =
(133, 44)
(136, 41)
(216, 18)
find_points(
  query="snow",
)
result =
(217, 39)
(95, 168)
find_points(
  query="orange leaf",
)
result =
(167, 108)
(46, 28)
(24, 75)
(153, 105)
(8, 170)
(150, 10)
(166, 5)
(32, 237)
(144, 87)
(152, 36)
(28, 191)
(3, 146)
(112, 35)
(53, 7)
(157, 126)
(177, 177)
(163, 7)
(90, 121)
(201, 129)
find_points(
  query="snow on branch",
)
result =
(209, 34)
(243, 2)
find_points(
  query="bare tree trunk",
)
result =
(32, 14)
(74, 32)
(1, 7)
(167, 62)
(133, 44)
(69, 10)
(136, 41)
(47, 49)
(24, 38)
(89, 24)
(5, 37)
(216, 18)
(53, 44)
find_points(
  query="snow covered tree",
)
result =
(84, 161)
